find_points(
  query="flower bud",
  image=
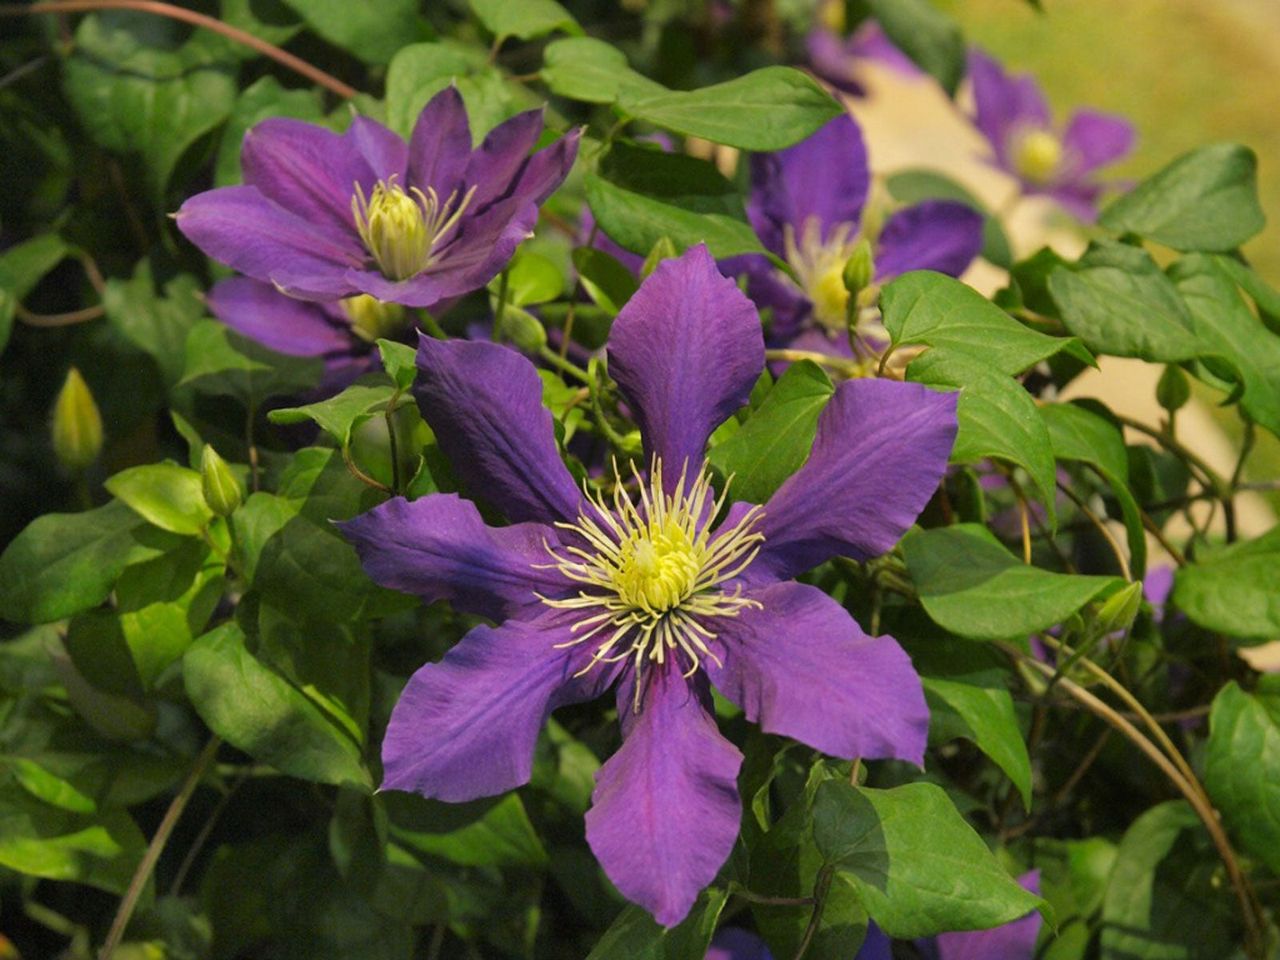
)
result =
(1119, 609)
(1173, 390)
(219, 484)
(523, 329)
(859, 269)
(664, 249)
(77, 424)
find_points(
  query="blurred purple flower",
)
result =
(645, 591)
(839, 60)
(324, 216)
(809, 206)
(1011, 112)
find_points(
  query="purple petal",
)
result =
(831, 59)
(734, 943)
(424, 290)
(880, 451)
(439, 548)
(300, 328)
(665, 811)
(311, 171)
(383, 150)
(768, 288)
(1157, 585)
(1078, 198)
(484, 402)
(800, 666)
(940, 235)
(240, 227)
(686, 350)
(1004, 103)
(870, 42)
(825, 176)
(1093, 139)
(1011, 941)
(440, 145)
(494, 165)
(466, 727)
(876, 946)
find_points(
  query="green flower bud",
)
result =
(859, 269)
(219, 484)
(523, 329)
(1119, 609)
(1173, 390)
(77, 424)
(664, 249)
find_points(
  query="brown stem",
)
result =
(296, 64)
(69, 319)
(820, 888)
(156, 847)
(1102, 529)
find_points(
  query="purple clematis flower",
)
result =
(809, 206)
(324, 216)
(342, 332)
(1015, 940)
(1011, 112)
(657, 589)
(839, 60)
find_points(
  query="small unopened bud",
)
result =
(218, 482)
(1173, 390)
(1119, 609)
(859, 269)
(523, 329)
(664, 249)
(77, 424)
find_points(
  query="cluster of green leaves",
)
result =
(163, 639)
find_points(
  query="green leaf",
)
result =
(914, 881)
(643, 194)
(421, 70)
(43, 841)
(929, 309)
(1242, 768)
(634, 935)
(163, 494)
(607, 282)
(766, 109)
(263, 98)
(928, 36)
(1081, 431)
(135, 91)
(400, 361)
(969, 697)
(341, 413)
(1226, 327)
(46, 786)
(1118, 301)
(64, 563)
(592, 71)
(524, 20)
(1204, 200)
(775, 440)
(257, 711)
(373, 29)
(157, 325)
(531, 279)
(997, 417)
(1233, 590)
(971, 585)
(1166, 899)
(22, 266)
(478, 834)
(220, 361)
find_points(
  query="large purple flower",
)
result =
(324, 216)
(655, 589)
(809, 206)
(1011, 112)
(839, 60)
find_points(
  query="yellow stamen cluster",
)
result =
(404, 231)
(651, 571)
(820, 266)
(371, 318)
(1037, 155)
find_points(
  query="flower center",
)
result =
(371, 318)
(652, 571)
(1037, 155)
(820, 264)
(404, 232)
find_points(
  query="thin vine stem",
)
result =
(140, 876)
(173, 12)
(820, 888)
(1107, 535)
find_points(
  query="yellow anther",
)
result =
(1037, 155)
(820, 265)
(373, 319)
(652, 570)
(404, 232)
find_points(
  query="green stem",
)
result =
(432, 325)
(389, 415)
(820, 888)
(563, 365)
